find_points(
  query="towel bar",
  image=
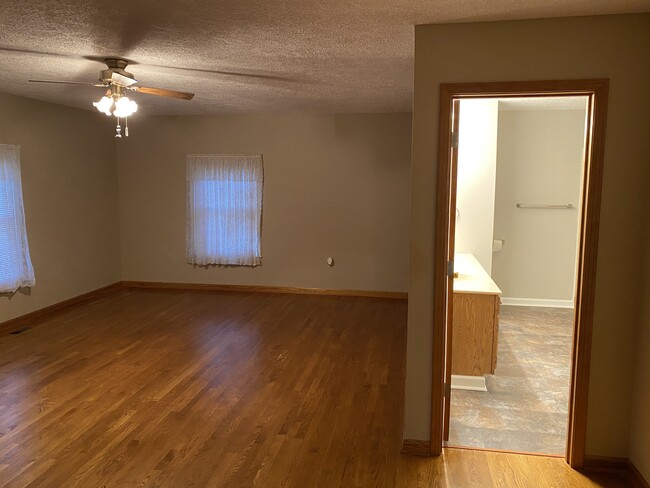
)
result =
(528, 205)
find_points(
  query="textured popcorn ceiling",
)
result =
(244, 55)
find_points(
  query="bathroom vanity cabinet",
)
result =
(475, 319)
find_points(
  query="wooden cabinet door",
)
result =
(473, 343)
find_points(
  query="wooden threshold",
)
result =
(504, 451)
(29, 318)
(265, 289)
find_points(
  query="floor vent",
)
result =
(20, 331)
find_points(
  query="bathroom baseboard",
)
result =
(537, 302)
(472, 383)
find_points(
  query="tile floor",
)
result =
(525, 407)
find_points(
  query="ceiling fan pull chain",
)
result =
(126, 126)
(118, 130)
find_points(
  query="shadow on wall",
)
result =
(385, 155)
(22, 291)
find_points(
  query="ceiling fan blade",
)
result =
(239, 74)
(163, 93)
(67, 82)
(123, 80)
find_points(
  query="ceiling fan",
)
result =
(117, 81)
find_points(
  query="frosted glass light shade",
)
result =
(104, 105)
(124, 107)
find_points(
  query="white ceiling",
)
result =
(244, 55)
(543, 103)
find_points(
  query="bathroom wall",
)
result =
(539, 161)
(477, 164)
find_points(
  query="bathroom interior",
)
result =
(519, 180)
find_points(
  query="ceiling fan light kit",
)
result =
(115, 102)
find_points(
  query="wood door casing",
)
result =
(451, 246)
(597, 91)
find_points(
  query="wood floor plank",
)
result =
(203, 389)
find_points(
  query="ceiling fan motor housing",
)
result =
(115, 65)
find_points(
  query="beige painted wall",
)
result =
(615, 47)
(476, 180)
(640, 430)
(70, 196)
(335, 185)
(539, 160)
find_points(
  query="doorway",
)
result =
(518, 183)
(595, 92)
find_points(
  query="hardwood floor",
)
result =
(461, 468)
(200, 389)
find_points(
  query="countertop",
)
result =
(472, 278)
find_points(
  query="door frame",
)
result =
(597, 92)
(451, 246)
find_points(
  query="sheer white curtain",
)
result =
(224, 209)
(15, 264)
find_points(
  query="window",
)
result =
(15, 264)
(224, 209)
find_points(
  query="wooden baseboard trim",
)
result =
(616, 465)
(605, 463)
(469, 383)
(31, 317)
(414, 447)
(636, 476)
(537, 302)
(265, 289)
